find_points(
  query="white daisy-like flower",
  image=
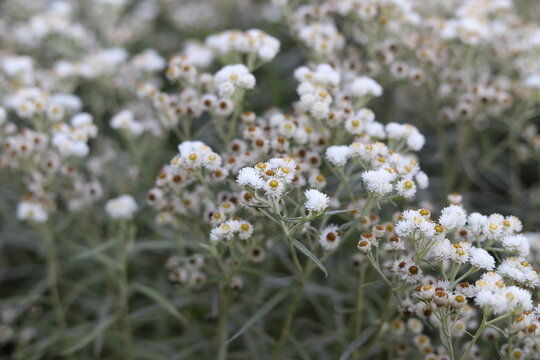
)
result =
(330, 237)
(518, 243)
(363, 86)
(406, 188)
(32, 211)
(480, 258)
(231, 77)
(316, 201)
(378, 182)
(121, 207)
(248, 176)
(338, 154)
(453, 217)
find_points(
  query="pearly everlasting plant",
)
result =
(340, 179)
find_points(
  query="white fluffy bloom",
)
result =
(249, 177)
(378, 182)
(125, 120)
(3, 116)
(416, 141)
(196, 154)
(480, 258)
(231, 77)
(519, 270)
(518, 243)
(319, 109)
(70, 147)
(504, 300)
(338, 154)
(364, 85)
(316, 200)
(32, 211)
(422, 180)
(252, 41)
(121, 207)
(149, 60)
(476, 222)
(453, 217)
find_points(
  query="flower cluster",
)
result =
(254, 163)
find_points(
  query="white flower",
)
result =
(330, 237)
(416, 141)
(68, 146)
(406, 188)
(364, 85)
(338, 154)
(480, 258)
(476, 222)
(316, 200)
(354, 125)
(195, 154)
(378, 182)
(125, 120)
(453, 217)
(518, 269)
(3, 116)
(274, 187)
(245, 230)
(32, 211)
(422, 180)
(149, 60)
(518, 243)
(319, 109)
(121, 207)
(248, 176)
(231, 77)
(532, 81)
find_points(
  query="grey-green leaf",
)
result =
(160, 299)
(304, 250)
(364, 336)
(263, 310)
(94, 251)
(102, 326)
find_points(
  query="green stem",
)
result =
(52, 277)
(124, 291)
(359, 302)
(223, 324)
(288, 320)
(479, 332)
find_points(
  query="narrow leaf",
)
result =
(100, 328)
(297, 244)
(293, 220)
(155, 245)
(160, 299)
(333, 212)
(263, 310)
(364, 336)
(94, 251)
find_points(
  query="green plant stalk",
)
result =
(52, 277)
(124, 291)
(446, 333)
(479, 332)
(359, 302)
(290, 314)
(223, 324)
